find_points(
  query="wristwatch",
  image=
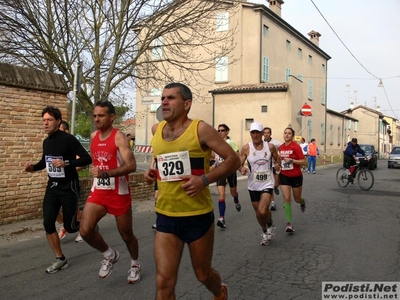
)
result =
(205, 180)
(105, 175)
(67, 162)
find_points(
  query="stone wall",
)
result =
(23, 95)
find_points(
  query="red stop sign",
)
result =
(306, 110)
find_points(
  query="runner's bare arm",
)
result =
(244, 152)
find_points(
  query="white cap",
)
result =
(256, 126)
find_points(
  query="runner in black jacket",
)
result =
(60, 150)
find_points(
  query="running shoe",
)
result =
(264, 239)
(79, 239)
(273, 205)
(289, 227)
(276, 190)
(314, 172)
(107, 265)
(238, 207)
(270, 233)
(221, 223)
(62, 232)
(59, 264)
(134, 273)
(303, 206)
(154, 226)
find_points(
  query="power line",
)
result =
(342, 41)
(387, 98)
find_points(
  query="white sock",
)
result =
(109, 253)
(135, 262)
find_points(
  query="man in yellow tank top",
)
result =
(182, 149)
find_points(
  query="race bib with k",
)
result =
(171, 166)
(262, 176)
(104, 183)
(54, 172)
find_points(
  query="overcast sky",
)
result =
(371, 30)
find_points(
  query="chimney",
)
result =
(314, 37)
(275, 6)
(351, 105)
(378, 108)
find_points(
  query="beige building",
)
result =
(372, 128)
(341, 129)
(393, 131)
(271, 73)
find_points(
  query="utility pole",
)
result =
(76, 88)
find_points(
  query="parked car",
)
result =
(369, 151)
(394, 158)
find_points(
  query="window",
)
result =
(264, 108)
(355, 126)
(222, 21)
(221, 69)
(323, 69)
(288, 45)
(248, 123)
(310, 60)
(331, 134)
(323, 95)
(157, 50)
(309, 128)
(265, 31)
(339, 135)
(287, 74)
(323, 133)
(300, 77)
(300, 53)
(349, 124)
(265, 69)
(310, 89)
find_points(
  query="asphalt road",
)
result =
(346, 234)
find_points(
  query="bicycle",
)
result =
(365, 178)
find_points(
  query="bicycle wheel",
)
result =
(365, 179)
(342, 177)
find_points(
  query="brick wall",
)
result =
(21, 141)
(23, 95)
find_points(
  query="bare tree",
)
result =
(113, 39)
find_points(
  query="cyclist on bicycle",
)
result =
(350, 153)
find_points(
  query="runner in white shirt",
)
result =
(259, 155)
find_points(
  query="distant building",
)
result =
(373, 128)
